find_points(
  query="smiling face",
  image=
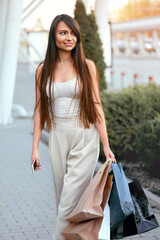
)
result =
(65, 38)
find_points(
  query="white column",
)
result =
(141, 44)
(3, 13)
(127, 43)
(157, 41)
(9, 59)
(101, 11)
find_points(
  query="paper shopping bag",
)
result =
(90, 204)
(120, 201)
(89, 229)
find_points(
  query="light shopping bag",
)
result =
(89, 205)
(104, 233)
(89, 229)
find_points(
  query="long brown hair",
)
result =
(88, 111)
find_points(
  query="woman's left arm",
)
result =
(101, 123)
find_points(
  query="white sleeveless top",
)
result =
(65, 105)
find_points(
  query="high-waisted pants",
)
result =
(74, 152)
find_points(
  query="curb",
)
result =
(154, 200)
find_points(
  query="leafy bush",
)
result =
(148, 145)
(124, 112)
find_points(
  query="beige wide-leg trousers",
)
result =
(74, 152)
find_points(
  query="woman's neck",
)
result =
(64, 56)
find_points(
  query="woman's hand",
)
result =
(35, 156)
(109, 154)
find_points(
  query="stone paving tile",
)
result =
(28, 203)
(27, 198)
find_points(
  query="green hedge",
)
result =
(125, 111)
(148, 146)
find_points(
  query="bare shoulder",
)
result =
(94, 76)
(39, 71)
(92, 67)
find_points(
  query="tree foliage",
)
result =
(92, 44)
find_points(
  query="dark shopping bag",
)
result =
(142, 220)
(117, 233)
(120, 201)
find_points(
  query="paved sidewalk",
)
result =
(27, 204)
(27, 199)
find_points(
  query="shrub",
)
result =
(124, 112)
(148, 146)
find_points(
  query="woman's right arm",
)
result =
(37, 122)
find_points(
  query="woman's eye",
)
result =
(63, 33)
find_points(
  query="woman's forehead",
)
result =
(63, 26)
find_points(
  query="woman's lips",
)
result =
(68, 44)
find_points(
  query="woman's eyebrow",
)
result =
(63, 30)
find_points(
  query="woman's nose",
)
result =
(69, 37)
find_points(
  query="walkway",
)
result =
(27, 199)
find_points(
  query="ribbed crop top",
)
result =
(65, 105)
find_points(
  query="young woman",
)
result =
(68, 100)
